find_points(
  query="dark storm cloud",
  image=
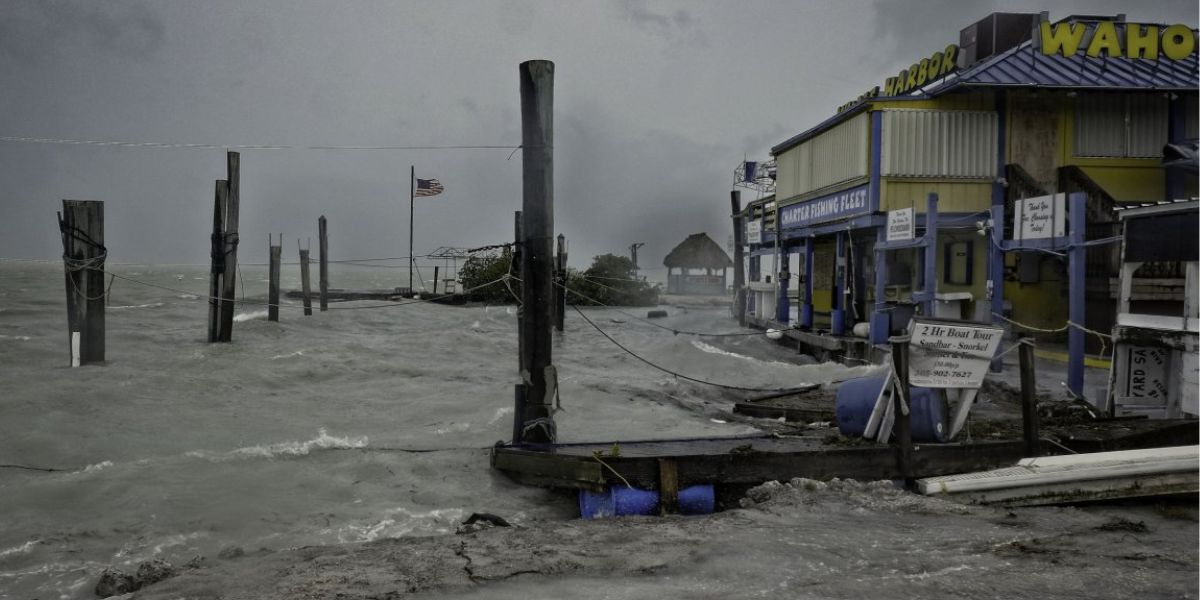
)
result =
(29, 29)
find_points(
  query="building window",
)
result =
(1120, 125)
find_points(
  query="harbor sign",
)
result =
(951, 354)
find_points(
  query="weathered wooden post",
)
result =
(902, 402)
(323, 242)
(515, 271)
(1029, 409)
(739, 267)
(230, 239)
(81, 224)
(560, 288)
(435, 279)
(537, 207)
(273, 279)
(217, 270)
(305, 286)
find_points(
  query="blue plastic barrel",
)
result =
(619, 501)
(856, 399)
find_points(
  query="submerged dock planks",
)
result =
(740, 460)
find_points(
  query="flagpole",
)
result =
(412, 182)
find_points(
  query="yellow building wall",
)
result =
(1042, 305)
(953, 195)
(977, 101)
(978, 286)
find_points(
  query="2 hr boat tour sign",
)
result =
(951, 354)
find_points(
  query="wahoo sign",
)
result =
(1132, 40)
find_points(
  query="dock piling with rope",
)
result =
(81, 224)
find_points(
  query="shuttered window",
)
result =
(1120, 125)
(939, 143)
(835, 156)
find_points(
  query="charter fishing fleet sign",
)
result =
(950, 354)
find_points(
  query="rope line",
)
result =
(208, 298)
(1104, 337)
(676, 374)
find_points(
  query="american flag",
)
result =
(428, 187)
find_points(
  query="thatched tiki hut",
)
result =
(698, 258)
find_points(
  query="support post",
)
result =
(902, 427)
(323, 273)
(560, 290)
(217, 258)
(995, 282)
(783, 308)
(519, 392)
(305, 286)
(739, 261)
(668, 486)
(838, 314)
(81, 224)
(881, 318)
(435, 278)
(537, 207)
(1076, 270)
(806, 309)
(232, 207)
(276, 254)
(929, 292)
(1029, 410)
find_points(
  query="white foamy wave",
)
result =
(452, 428)
(22, 549)
(258, 314)
(296, 353)
(710, 349)
(19, 338)
(500, 414)
(188, 297)
(323, 441)
(402, 522)
(94, 468)
(127, 306)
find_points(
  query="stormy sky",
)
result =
(655, 105)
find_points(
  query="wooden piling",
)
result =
(668, 486)
(519, 392)
(323, 242)
(1029, 409)
(739, 267)
(560, 279)
(230, 243)
(276, 253)
(305, 285)
(537, 207)
(435, 279)
(217, 268)
(81, 224)
(902, 404)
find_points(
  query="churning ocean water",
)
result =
(367, 421)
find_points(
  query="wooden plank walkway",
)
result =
(739, 460)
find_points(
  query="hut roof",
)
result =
(698, 251)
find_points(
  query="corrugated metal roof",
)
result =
(1026, 66)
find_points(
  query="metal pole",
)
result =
(1076, 266)
(412, 181)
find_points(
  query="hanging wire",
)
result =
(677, 374)
(189, 145)
(664, 327)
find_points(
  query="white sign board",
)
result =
(754, 232)
(1041, 217)
(944, 354)
(1146, 374)
(901, 225)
